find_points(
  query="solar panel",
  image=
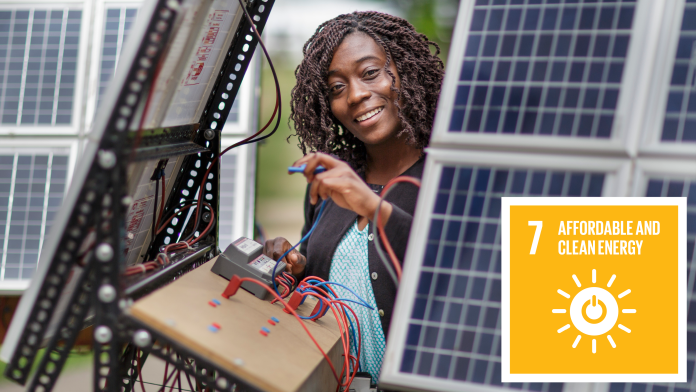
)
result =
(117, 23)
(675, 186)
(179, 73)
(31, 192)
(553, 76)
(452, 330)
(680, 114)
(39, 50)
(552, 68)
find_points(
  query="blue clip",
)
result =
(216, 302)
(300, 169)
(265, 329)
(275, 319)
(212, 329)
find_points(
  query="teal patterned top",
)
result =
(350, 267)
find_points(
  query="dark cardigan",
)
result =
(336, 221)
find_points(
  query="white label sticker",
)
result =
(247, 246)
(263, 263)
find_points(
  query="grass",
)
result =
(75, 360)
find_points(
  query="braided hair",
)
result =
(420, 72)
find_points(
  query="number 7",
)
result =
(537, 233)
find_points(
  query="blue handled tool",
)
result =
(300, 169)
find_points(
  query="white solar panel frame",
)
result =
(616, 183)
(244, 191)
(648, 168)
(665, 53)
(95, 55)
(632, 156)
(85, 23)
(632, 94)
(25, 145)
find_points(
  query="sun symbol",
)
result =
(594, 311)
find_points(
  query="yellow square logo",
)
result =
(594, 289)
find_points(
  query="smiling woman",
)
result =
(363, 108)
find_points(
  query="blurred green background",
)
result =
(279, 197)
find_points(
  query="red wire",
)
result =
(166, 366)
(140, 373)
(359, 342)
(207, 172)
(333, 370)
(151, 265)
(387, 245)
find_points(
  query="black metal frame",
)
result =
(102, 206)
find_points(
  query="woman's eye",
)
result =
(335, 88)
(371, 72)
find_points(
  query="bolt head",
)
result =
(105, 252)
(102, 334)
(206, 217)
(142, 338)
(127, 201)
(107, 293)
(209, 134)
(107, 159)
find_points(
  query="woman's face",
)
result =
(360, 90)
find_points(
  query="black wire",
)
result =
(275, 77)
(154, 210)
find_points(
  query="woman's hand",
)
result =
(342, 184)
(295, 261)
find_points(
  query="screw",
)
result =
(209, 134)
(127, 201)
(102, 334)
(142, 338)
(221, 383)
(105, 252)
(206, 217)
(107, 293)
(107, 159)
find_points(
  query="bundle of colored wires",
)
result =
(162, 258)
(339, 308)
(377, 227)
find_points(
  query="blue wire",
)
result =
(355, 341)
(321, 210)
(355, 302)
(367, 305)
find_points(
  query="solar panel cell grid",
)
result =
(454, 328)
(117, 23)
(38, 66)
(31, 191)
(680, 115)
(544, 69)
(676, 187)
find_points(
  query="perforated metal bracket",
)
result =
(59, 273)
(235, 66)
(206, 373)
(69, 326)
(212, 121)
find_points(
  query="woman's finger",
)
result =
(316, 185)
